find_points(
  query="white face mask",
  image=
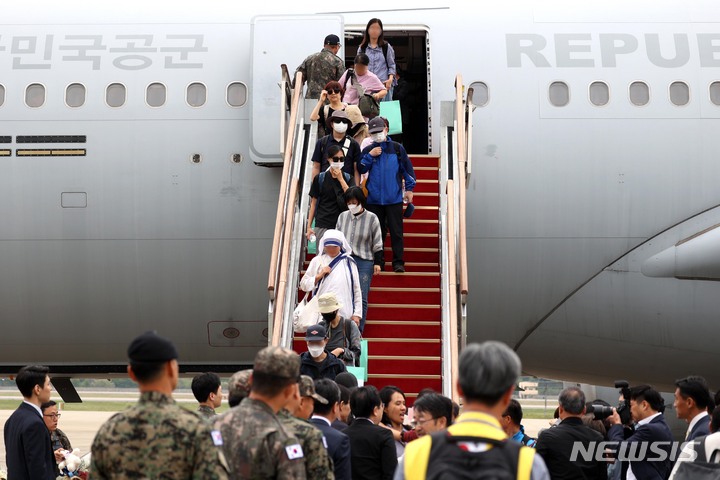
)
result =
(379, 137)
(340, 127)
(316, 351)
(336, 165)
(354, 208)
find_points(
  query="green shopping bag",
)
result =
(391, 111)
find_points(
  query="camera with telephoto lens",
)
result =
(600, 412)
(623, 408)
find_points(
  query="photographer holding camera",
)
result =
(556, 445)
(646, 407)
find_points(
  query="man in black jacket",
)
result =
(28, 451)
(652, 437)
(569, 439)
(372, 447)
(317, 362)
(337, 443)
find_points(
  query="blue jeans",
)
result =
(365, 272)
(389, 96)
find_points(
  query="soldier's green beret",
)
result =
(151, 347)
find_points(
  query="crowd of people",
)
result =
(305, 416)
(284, 424)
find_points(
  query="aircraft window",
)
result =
(714, 93)
(35, 95)
(639, 93)
(2, 94)
(599, 94)
(156, 94)
(481, 94)
(115, 95)
(196, 94)
(679, 93)
(75, 95)
(559, 94)
(236, 94)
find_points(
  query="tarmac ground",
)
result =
(80, 427)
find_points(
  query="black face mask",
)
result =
(329, 317)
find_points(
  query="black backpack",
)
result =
(700, 468)
(452, 458)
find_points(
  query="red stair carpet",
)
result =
(403, 319)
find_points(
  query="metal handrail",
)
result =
(298, 251)
(462, 159)
(452, 284)
(454, 179)
(280, 235)
(286, 92)
(279, 312)
(469, 109)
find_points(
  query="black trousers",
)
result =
(391, 216)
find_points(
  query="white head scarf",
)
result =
(337, 237)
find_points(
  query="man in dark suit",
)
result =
(652, 435)
(337, 443)
(559, 446)
(372, 447)
(692, 397)
(28, 451)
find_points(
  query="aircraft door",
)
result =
(279, 39)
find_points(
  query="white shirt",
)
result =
(343, 281)
(644, 421)
(323, 419)
(694, 421)
(37, 409)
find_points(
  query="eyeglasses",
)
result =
(53, 415)
(334, 90)
(423, 422)
(338, 159)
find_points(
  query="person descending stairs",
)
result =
(403, 328)
(404, 313)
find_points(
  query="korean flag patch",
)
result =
(217, 437)
(294, 451)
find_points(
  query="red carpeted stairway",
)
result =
(403, 320)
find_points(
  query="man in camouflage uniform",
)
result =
(239, 387)
(156, 438)
(207, 390)
(321, 67)
(255, 443)
(294, 417)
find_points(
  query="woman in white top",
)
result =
(342, 278)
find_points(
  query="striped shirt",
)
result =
(362, 232)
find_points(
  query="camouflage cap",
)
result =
(239, 383)
(307, 389)
(278, 362)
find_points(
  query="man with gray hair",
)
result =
(476, 442)
(558, 446)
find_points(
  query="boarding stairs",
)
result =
(415, 322)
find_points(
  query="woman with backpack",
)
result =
(333, 94)
(327, 190)
(381, 55)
